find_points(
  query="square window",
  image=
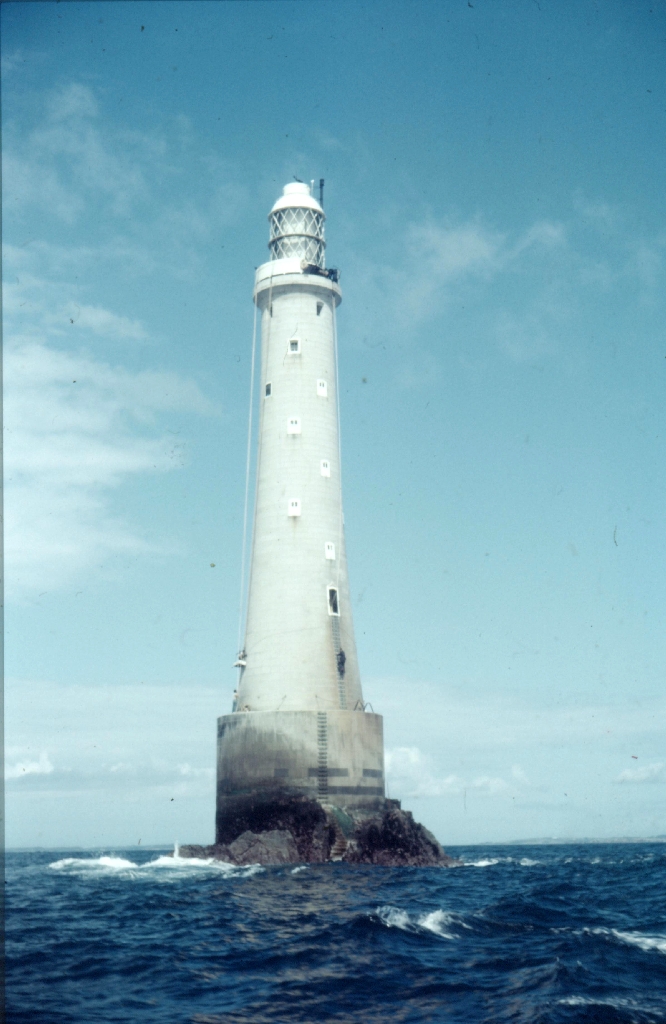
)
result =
(322, 389)
(294, 508)
(325, 467)
(268, 390)
(294, 346)
(329, 550)
(294, 425)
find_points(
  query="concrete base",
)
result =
(329, 756)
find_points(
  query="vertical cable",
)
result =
(248, 460)
(337, 401)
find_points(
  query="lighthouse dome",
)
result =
(297, 226)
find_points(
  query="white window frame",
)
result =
(322, 388)
(294, 351)
(325, 467)
(330, 589)
(294, 507)
(329, 550)
(294, 425)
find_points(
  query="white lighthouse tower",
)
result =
(299, 725)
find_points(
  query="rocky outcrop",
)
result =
(306, 821)
(274, 847)
(297, 831)
(394, 839)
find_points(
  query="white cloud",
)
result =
(76, 427)
(450, 251)
(73, 100)
(187, 769)
(598, 212)
(542, 233)
(645, 773)
(74, 162)
(20, 769)
(100, 321)
(409, 772)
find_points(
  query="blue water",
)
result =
(525, 934)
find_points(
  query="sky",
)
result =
(495, 203)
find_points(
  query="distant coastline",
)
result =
(572, 841)
(158, 847)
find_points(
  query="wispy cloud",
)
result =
(19, 769)
(645, 773)
(102, 322)
(76, 428)
(73, 161)
(440, 254)
(410, 772)
(187, 769)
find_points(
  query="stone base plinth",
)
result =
(269, 757)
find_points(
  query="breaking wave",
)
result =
(489, 862)
(648, 943)
(439, 922)
(171, 865)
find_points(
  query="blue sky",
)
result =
(494, 192)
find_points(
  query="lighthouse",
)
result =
(299, 725)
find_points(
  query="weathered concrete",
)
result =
(327, 756)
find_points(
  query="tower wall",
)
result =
(292, 641)
(299, 727)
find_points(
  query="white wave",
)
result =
(645, 942)
(619, 1003)
(488, 862)
(171, 866)
(393, 917)
(301, 867)
(438, 922)
(93, 863)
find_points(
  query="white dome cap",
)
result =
(297, 193)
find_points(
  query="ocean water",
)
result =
(523, 934)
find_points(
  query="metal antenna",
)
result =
(321, 193)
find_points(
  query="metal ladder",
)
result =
(322, 751)
(342, 689)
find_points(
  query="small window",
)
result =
(270, 309)
(294, 507)
(294, 346)
(329, 550)
(268, 390)
(325, 467)
(333, 605)
(320, 306)
(322, 389)
(294, 425)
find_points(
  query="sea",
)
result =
(544, 933)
